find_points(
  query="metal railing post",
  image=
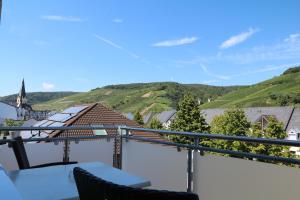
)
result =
(127, 134)
(66, 147)
(189, 170)
(117, 149)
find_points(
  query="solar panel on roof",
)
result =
(47, 123)
(40, 123)
(60, 117)
(74, 110)
(57, 124)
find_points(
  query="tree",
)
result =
(10, 122)
(138, 118)
(188, 118)
(155, 124)
(274, 130)
(232, 122)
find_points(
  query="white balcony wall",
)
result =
(164, 166)
(225, 178)
(90, 151)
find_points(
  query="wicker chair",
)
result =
(91, 187)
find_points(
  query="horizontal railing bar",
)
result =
(165, 132)
(218, 136)
(224, 151)
(60, 128)
(92, 137)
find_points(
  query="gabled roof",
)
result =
(295, 120)
(165, 116)
(8, 111)
(98, 114)
(147, 118)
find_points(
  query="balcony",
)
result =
(168, 165)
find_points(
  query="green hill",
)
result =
(37, 97)
(283, 90)
(139, 96)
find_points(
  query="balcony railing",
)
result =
(171, 165)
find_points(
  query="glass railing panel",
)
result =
(92, 151)
(164, 166)
(7, 158)
(227, 178)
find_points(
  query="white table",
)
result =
(7, 188)
(58, 182)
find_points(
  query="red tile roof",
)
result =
(98, 114)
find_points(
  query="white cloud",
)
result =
(177, 42)
(292, 38)
(118, 20)
(62, 18)
(115, 45)
(48, 86)
(236, 39)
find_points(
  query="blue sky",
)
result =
(67, 45)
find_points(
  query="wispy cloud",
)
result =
(41, 43)
(205, 69)
(115, 45)
(176, 42)
(293, 38)
(62, 18)
(267, 68)
(48, 86)
(107, 41)
(118, 20)
(287, 49)
(237, 39)
(210, 81)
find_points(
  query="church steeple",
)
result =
(21, 99)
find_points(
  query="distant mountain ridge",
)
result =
(144, 97)
(36, 97)
(283, 90)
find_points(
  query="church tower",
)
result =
(23, 109)
(21, 99)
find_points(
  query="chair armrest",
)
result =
(54, 164)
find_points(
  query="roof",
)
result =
(253, 114)
(29, 123)
(8, 111)
(98, 114)
(2, 122)
(295, 120)
(165, 116)
(148, 117)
